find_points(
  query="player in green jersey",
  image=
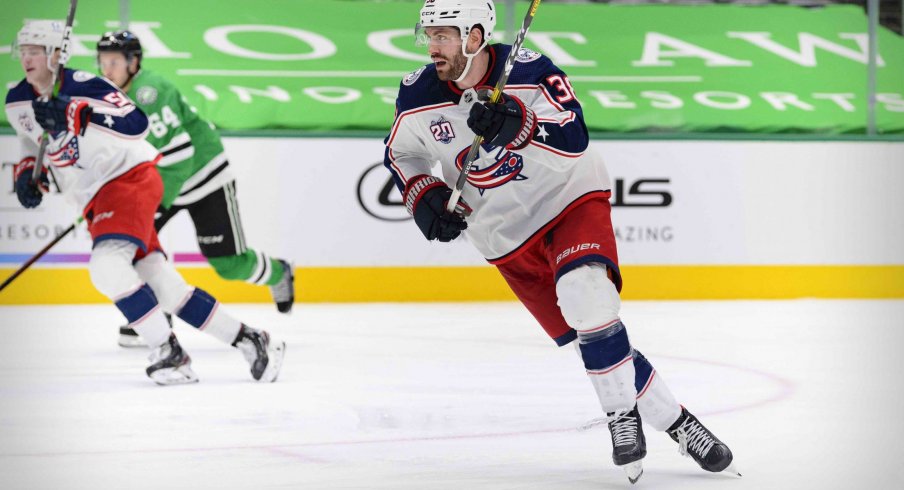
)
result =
(195, 172)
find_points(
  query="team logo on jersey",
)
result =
(413, 76)
(526, 56)
(82, 76)
(67, 155)
(497, 166)
(146, 95)
(442, 130)
(26, 122)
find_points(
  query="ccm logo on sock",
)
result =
(575, 249)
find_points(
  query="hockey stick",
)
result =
(65, 48)
(497, 93)
(34, 258)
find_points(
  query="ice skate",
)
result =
(699, 443)
(264, 357)
(170, 365)
(628, 443)
(129, 338)
(284, 291)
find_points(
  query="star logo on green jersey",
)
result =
(146, 95)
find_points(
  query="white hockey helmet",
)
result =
(463, 14)
(47, 33)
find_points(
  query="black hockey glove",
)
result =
(62, 114)
(426, 198)
(507, 123)
(27, 189)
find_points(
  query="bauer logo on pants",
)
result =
(575, 249)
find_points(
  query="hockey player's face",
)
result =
(114, 67)
(444, 48)
(34, 63)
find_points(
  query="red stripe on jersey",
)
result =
(550, 99)
(396, 167)
(571, 117)
(557, 152)
(542, 89)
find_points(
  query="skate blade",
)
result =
(732, 469)
(131, 341)
(275, 354)
(634, 471)
(174, 376)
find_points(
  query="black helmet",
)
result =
(122, 42)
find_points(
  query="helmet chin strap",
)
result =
(470, 58)
(131, 76)
(50, 50)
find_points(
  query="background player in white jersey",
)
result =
(103, 165)
(195, 172)
(536, 205)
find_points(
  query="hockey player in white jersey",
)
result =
(536, 205)
(99, 159)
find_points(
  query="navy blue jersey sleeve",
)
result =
(20, 93)
(387, 154)
(405, 156)
(565, 124)
(120, 114)
(559, 114)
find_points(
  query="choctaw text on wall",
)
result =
(337, 64)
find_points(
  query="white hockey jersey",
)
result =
(517, 194)
(111, 146)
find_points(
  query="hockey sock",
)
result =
(277, 274)
(251, 266)
(607, 358)
(144, 315)
(203, 312)
(654, 400)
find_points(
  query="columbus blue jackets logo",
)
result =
(495, 167)
(526, 56)
(442, 130)
(413, 76)
(82, 76)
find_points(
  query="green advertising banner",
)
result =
(325, 65)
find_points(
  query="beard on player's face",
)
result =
(450, 68)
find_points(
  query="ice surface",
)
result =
(451, 396)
